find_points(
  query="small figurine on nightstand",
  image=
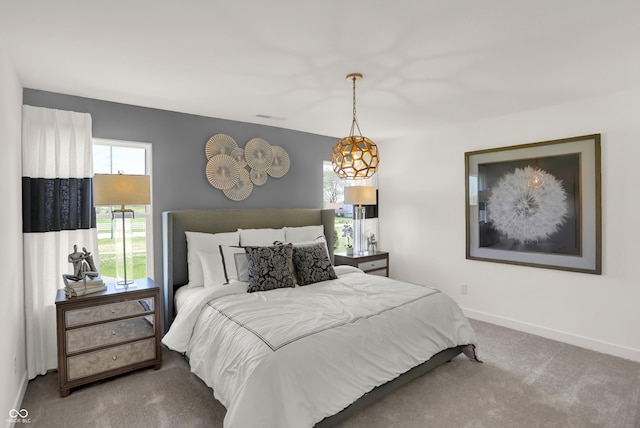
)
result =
(372, 244)
(85, 278)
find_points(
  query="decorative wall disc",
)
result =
(220, 144)
(258, 154)
(227, 165)
(281, 162)
(242, 189)
(238, 155)
(258, 177)
(223, 171)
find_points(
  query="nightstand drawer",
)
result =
(373, 265)
(112, 311)
(108, 359)
(86, 338)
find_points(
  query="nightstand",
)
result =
(376, 263)
(107, 333)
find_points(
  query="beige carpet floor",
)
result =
(525, 381)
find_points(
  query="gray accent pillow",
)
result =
(242, 268)
(234, 262)
(270, 267)
(311, 263)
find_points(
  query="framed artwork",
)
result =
(536, 204)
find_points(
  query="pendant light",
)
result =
(355, 156)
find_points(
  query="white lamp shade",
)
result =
(360, 195)
(121, 189)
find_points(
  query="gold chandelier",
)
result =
(355, 156)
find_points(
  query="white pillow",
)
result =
(303, 233)
(236, 265)
(206, 242)
(260, 237)
(212, 268)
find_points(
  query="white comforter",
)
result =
(291, 357)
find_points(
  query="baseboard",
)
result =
(561, 336)
(18, 401)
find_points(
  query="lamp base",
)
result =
(124, 260)
(359, 240)
(125, 284)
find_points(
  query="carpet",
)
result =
(526, 381)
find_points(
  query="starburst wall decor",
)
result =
(227, 165)
(536, 204)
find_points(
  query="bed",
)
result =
(300, 356)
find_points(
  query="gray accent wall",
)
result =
(178, 142)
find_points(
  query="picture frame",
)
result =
(536, 204)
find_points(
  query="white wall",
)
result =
(13, 381)
(422, 224)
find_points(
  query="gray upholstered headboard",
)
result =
(174, 241)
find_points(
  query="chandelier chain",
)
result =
(354, 123)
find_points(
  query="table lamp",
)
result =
(122, 189)
(359, 196)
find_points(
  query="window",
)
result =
(333, 197)
(112, 157)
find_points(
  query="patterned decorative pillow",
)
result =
(312, 264)
(270, 267)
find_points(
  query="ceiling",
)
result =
(425, 62)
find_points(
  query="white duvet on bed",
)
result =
(291, 357)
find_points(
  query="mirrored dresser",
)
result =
(107, 333)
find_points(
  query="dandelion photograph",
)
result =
(536, 204)
(531, 205)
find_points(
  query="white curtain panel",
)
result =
(58, 213)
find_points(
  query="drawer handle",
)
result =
(114, 358)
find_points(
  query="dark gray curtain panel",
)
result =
(55, 204)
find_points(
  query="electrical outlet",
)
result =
(464, 289)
